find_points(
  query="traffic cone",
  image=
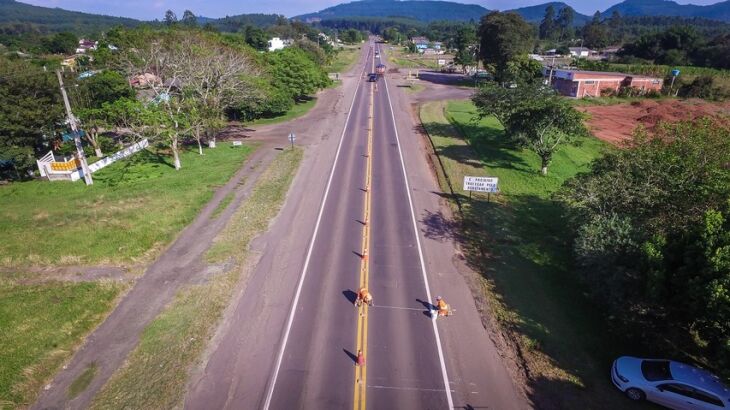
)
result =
(360, 358)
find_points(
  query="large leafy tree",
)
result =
(61, 43)
(465, 42)
(595, 33)
(652, 237)
(293, 72)
(31, 110)
(533, 116)
(548, 24)
(504, 37)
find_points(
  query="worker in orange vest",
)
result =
(443, 308)
(364, 296)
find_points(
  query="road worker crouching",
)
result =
(443, 308)
(363, 296)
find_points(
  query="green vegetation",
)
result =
(345, 58)
(82, 382)
(218, 77)
(533, 117)
(519, 243)
(136, 206)
(297, 110)
(657, 257)
(154, 376)
(222, 205)
(403, 59)
(42, 324)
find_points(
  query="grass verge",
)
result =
(296, 111)
(82, 382)
(519, 244)
(156, 372)
(222, 205)
(135, 206)
(344, 60)
(42, 324)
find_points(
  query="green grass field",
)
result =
(135, 207)
(41, 325)
(344, 60)
(296, 111)
(519, 243)
(155, 373)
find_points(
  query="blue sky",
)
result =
(151, 9)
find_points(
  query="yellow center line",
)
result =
(362, 312)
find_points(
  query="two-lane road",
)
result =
(366, 231)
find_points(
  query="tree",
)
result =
(565, 22)
(544, 126)
(465, 44)
(61, 43)
(293, 72)
(652, 240)
(314, 52)
(31, 110)
(595, 34)
(547, 25)
(503, 37)
(189, 19)
(533, 116)
(106, 86)
(256, 38)
(189, 66)
(170, 18)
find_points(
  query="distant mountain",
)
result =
(535, 14)
(717, 11)
(55, 19)
(421, 10)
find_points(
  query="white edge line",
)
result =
(290, 320)
(449, 399)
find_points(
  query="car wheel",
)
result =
(635, 394)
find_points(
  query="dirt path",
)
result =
(181, 264)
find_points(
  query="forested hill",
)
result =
(717, 11)
(421, 10)
(535, 14)
(56, 20)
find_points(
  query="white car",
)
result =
(671, 384)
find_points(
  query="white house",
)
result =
(276, 44)
(581, 51)
(85, 45)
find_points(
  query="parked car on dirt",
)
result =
(671, 384)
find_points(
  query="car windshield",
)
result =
(654, 370)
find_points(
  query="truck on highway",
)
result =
(380, 69)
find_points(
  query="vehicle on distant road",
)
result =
(671, 384)
(372, 77)
(380, 69)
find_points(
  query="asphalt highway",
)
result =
(293, 339)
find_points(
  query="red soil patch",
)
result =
(616, 123)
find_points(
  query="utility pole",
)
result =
(74, 128)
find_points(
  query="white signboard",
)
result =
(292, 137)
(237, 143)
(481, 184)
(139, 146)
